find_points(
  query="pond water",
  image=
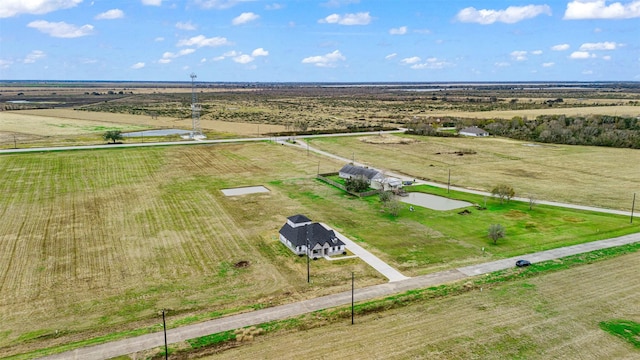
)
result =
(163, 132)
(433, 202)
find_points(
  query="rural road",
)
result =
(149, 341)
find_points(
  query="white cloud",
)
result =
(34, 56)
(274, 6)
(502, 64)
(185, 26)
(338, 3)
(599, 46)
(201, 41)
(510, 15)
(219, 4)
(598, 9)
(61, 29)
(9, 8)
(606, 57)
(168, 56)
(398, 31)
(581, 55)
(390, 56)
(243, 59)
(110, 15)
(548, 64)
(328, 60)
(259, 52)
(519, 55)
(138, 65)
(431, 63)
(245, 18)
(158, 39)
(560, 47)
(361, 18)
(152, 2)
(5, 64)
(587, 72)
(536, 52)
(411, 60)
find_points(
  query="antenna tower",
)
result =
(195, 111)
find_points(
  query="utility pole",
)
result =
(164, 326)
(352, 281)
(308, 253)
(449, 181)
(633, 205)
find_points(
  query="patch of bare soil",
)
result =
(386, 139)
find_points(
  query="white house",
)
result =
(373, 176)
(302, 236)
(473, 131)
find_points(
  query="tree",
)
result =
(393, 206)
(113, 135)
(356, 184)
(496, 231)
(385, 196)
(504, 192)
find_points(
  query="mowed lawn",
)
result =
(586, 175)
(98, 242)
(550, 316)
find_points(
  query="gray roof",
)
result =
(473, 130)
(318, 234)
(360, 171)
(298, 219)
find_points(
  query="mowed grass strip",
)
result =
(593, 176)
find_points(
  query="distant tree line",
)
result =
(595, 130)
(598, 130)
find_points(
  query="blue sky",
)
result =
(320, 41)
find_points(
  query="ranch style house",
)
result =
(299, 233)
(376, 179)
(473, 131)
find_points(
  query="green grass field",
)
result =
(94, 243)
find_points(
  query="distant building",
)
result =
(473, 131)
(299, 233)
(351, 171)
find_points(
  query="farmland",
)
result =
(96, 243)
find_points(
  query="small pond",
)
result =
(433, 202)
(163, 132)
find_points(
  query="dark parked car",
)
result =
(522, 263)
